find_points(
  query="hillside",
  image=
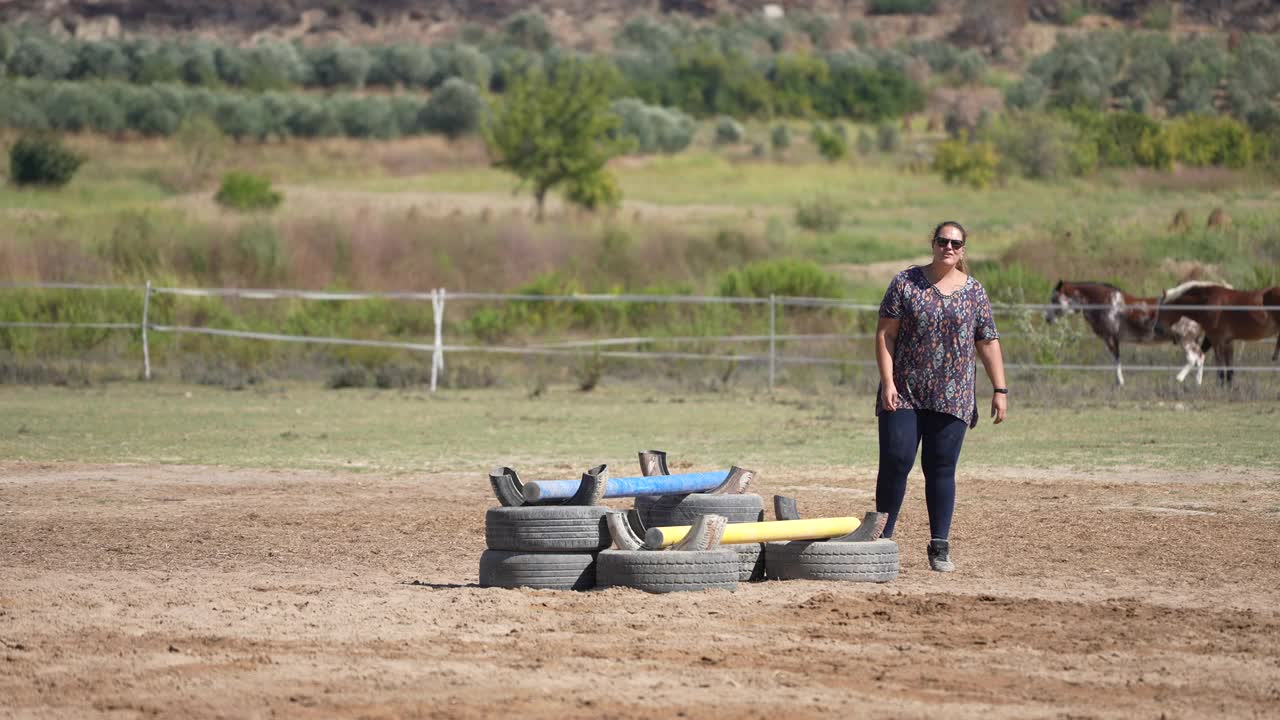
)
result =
(578, 22)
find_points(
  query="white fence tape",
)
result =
(438, 348)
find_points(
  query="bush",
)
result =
(339, 65)
(76, 107)
(888, 138)
(971, 164)
(729, 131)
(529, 30)
(900, 7)
(866, 143)
(407, 65)
(366, 117)
(40, 56)
(780, 138)
(1203, 141)
(822, 214)
(42, 160)
(247, 192)
(831, 144)
(461, 61)
(277, 66)
(794, 278)
(1041, 146)
(457, 108)
(653, 129)
(240, 116)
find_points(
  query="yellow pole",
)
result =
(737, 533)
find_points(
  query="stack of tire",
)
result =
(688, 570)
(551, 547)
(866, 561)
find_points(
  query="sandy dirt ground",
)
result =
(179, 591)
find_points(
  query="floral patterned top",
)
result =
(934, 361)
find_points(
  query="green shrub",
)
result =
(240, 116)
(780, 138)
(339, 65)
(247, 192)
(729, 131)
(888, 138)
(401, 64)
(1041, 146)
(822, 214)
(865, 143)
(42, 160)
(366, 117)
(900, 7)
(528, 30)
(831, 145)
(1204, 141)
(277, 66)
(455, 109)
(75, 107)
(972, 164)
(461, 61)
(103, 60)
(40, 56)
(795, 278)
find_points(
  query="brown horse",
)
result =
(1209, 305)
(1126, 317)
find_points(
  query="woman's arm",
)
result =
(886, 338)
(993, 361)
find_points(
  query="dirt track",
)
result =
(200, 592)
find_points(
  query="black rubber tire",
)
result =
(750, 561)
(668, 510)
(874, 561)
(547, 571)
(555, 528)
(663, 571)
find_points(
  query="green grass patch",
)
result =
(304, 427)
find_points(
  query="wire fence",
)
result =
(599, 347)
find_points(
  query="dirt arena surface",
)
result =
(181, 591)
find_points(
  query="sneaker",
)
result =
(940, 556)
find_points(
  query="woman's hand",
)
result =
(889, 398)
(999, 406)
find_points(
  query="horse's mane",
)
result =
(1176, 292)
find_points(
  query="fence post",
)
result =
(146, 349)
(437, 354)
(773, 353)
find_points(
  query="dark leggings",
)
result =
(901, 432)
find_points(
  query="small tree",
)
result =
(202, 144)
(557, 131)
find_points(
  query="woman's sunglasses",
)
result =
(942, 242)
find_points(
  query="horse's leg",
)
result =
(1191, 348)
(1113, 344)
(1229, 350)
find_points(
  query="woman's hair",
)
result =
(964, 235)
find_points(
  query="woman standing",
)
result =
(932, 320)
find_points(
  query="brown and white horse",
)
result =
(1223, 325)
(1128, 318)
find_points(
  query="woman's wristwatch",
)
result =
(1002, 391)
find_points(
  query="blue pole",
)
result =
(628, 487)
